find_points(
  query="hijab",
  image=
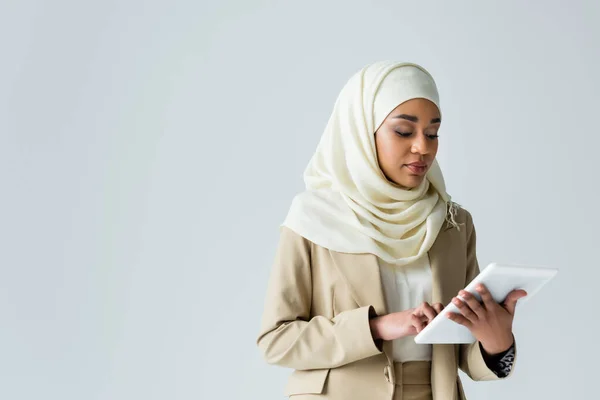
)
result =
(349, 205)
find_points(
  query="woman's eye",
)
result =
(407, 134)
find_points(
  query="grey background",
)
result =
(149, 151)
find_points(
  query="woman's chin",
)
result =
(409, 182)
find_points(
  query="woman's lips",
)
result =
(416, 170)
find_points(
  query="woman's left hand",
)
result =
(489, 322)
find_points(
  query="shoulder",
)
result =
(288, 234)
(462, 216)
(290, 240)
(465, 215)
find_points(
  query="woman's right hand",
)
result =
(404, 323)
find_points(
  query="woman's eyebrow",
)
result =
(413, 118)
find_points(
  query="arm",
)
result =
(471, 356)
(289, 336)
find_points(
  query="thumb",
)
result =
(510, 303)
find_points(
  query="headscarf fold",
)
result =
(349, 205)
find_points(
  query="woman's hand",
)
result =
(489, 322)
(404, 323)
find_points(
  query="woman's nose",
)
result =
(420, 145)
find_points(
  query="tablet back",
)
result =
(500, 279)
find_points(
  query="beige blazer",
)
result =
(316, 319)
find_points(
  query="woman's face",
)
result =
(408, 135)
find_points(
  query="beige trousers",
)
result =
(413, 380)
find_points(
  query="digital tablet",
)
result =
(500, 279)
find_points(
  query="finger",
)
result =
(486, 296)
(417, 323)
(420, 313)
(510, 303)
(422, 317)
(438, 307)
(474, 304)
(459, 319)
(428, 311)
(465, 309)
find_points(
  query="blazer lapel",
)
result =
(447, 258)
(362, 275)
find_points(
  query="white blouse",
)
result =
(407, 287)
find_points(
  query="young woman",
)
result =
(371, 252)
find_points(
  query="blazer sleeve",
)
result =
(289, 336)
(470, 356)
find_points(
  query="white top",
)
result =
(407, 287)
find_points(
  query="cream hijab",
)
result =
(349, 205)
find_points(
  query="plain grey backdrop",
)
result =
(150, 149)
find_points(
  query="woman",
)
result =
(372, 250)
